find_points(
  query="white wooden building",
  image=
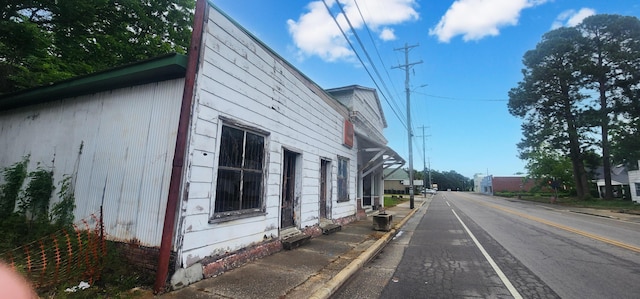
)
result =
(373, 154)
(198, 157)
(634, 184)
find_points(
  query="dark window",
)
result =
(637, 189)
(343, 179)
(240, 167)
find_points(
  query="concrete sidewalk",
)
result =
(314, 270)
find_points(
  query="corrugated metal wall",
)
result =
(119, 144)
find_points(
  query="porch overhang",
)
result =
(376, 155)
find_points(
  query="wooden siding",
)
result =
(367, 105)
(242, 80)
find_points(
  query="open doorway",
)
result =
(325, 189)
(289, 190)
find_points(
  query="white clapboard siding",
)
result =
(369, 106)
(241, 79)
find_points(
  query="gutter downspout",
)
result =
(180, 153)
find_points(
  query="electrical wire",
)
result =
(461, 99)
(359, 58)
(366, 26)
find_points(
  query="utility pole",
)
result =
(424, 158)
(406, 66)
(430, 183)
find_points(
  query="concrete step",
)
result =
(295, 241)
(330, 228)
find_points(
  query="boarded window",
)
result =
(240, 172)
(637, 189)
(343, 179)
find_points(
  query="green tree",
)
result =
(612, 43)
(548, 164)
(625, 129)
(549, 100)
(450, 180)
(44, 41)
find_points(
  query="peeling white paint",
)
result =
(242, 80)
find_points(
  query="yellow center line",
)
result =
(562, 227)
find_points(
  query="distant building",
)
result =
(491, 184)
(634, 182)
(396, 181)
(619, 181)
(477, 182)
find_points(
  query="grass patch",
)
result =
(596, 203)
(391, 201)
(615, 204)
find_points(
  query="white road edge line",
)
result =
(447, 203)
(493, 264)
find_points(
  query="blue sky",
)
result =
(471, 53)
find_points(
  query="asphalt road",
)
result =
(463, 245)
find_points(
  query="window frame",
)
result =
(240, 213)
(343, 195)
(637, 185)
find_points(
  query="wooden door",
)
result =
(288, 190)
(323, 188)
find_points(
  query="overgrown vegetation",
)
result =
(119, 280)
(62, 211)
(25, 217)
(14, 177)
(25, 198)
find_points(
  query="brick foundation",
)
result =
(142, 257)
(146, 258)
(312, 231)
(217, 265)
(348, 219)
(213, 266)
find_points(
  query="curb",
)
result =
(592, 214)
(339, 279)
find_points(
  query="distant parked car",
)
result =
(430, 191)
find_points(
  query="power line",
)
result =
(461, 99)
(359, 58)
(379, 58)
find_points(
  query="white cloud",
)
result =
(476, 19)
(315, 32)
(387, 34)
(571, 18)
